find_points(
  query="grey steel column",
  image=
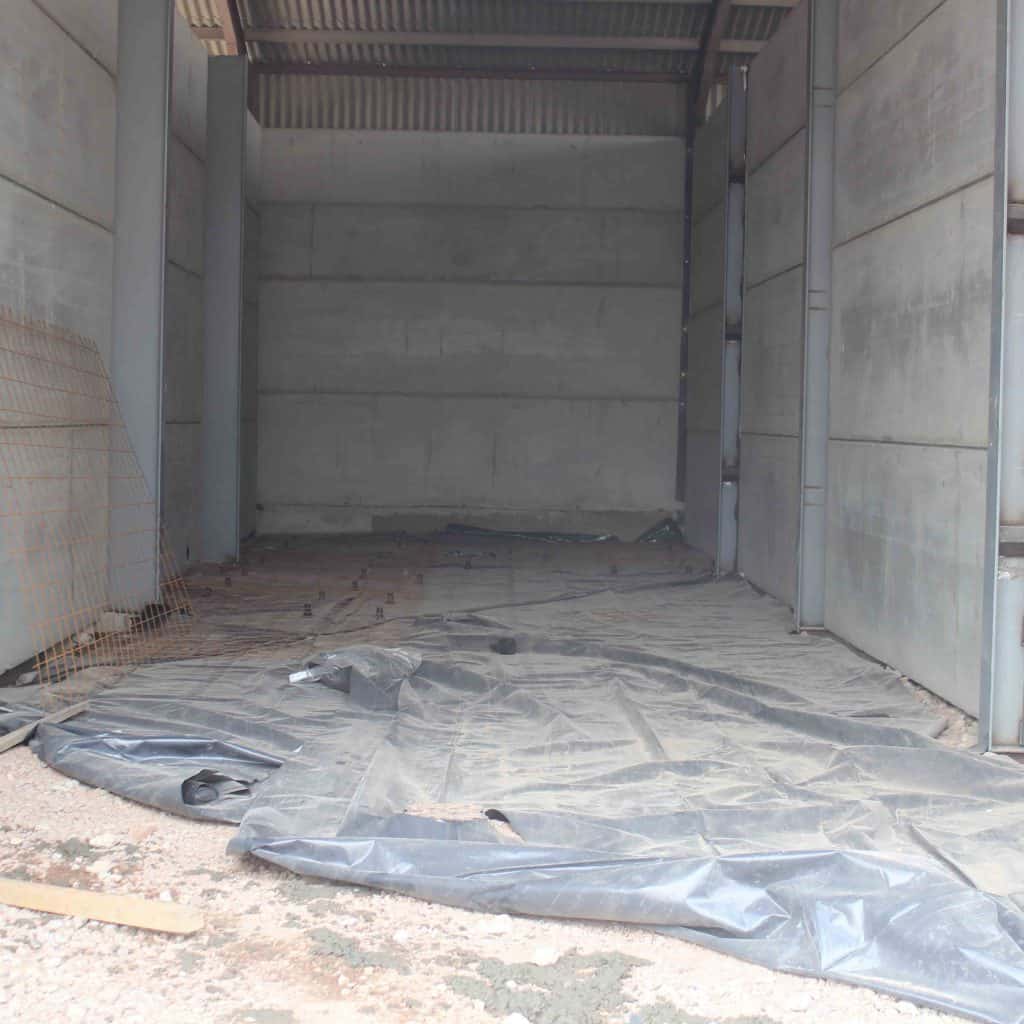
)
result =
(1001, 725)
(732, 324)
(144, 40)
(810, 602)
(222, 306)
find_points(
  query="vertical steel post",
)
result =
(732, 322)
(810, 602)
(1001, 725)
(144, 41)
(226, 113)
(684, 341)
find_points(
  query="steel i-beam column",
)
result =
(144, 41)
(1001, 725)
(735, 209)
(226, 113)
(810, 603)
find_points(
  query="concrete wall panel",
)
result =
(54, 265)
(462, 321)
(910, 338)
(773, 317)
(770, 513)
(185, 199)
(92, 24)
(776, 212)
(188, 89)
(286, 246)
(57, 112)
(704, 464)
(708, 275)
(778, 88)
(180, 489)
(416, 452)
(454, 168)
(773, 355)
(56, 262)
(704, 372)
(453, 244)
(905, 542)
(183, 346)
(922, 123)
(912, 320)
(456, 338)
(868, 29)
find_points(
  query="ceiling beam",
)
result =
(356, 37)
(706, 71)
(521, 73)
(230, 26)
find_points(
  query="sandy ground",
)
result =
(280, 949)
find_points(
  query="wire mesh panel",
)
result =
(97, 588)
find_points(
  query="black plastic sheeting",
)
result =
(793, 811)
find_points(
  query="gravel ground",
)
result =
(280, 949)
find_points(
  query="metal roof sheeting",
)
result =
(487, 104)
(470, 105)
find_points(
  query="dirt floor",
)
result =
(277, 948)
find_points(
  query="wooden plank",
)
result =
(18, 736)
(133, 911)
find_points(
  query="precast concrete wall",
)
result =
(912, 294)
(57, 121)
(183, 296)
(467, 325)
(774, 302)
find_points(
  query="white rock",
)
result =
(800, 1003)
(103, 842)
(166, 896)
(515, 1018)
(544, 956)
(401, 936)
(495, 924)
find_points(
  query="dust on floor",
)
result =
(280, 949)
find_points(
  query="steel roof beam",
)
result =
(356, 37)
(528, 74)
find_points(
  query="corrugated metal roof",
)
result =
(457, 57)
(291, 100)
(470, 105)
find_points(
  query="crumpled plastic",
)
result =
(794, 811)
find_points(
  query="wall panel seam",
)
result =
(899, 42)
(81, 46)
(964, 187)
(514, 396)
(751, 171)
(57, 203)
(773, 277)
(891, 443)
(476, 282)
